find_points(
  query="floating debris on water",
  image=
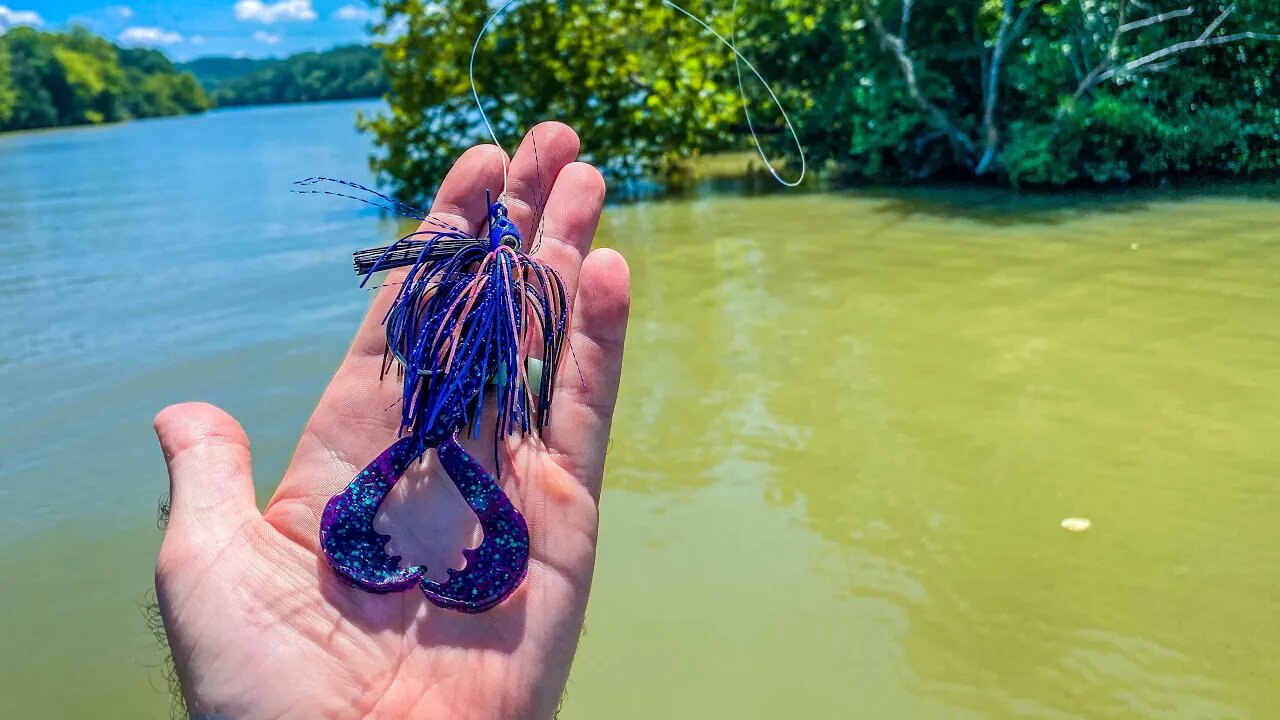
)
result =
(1076, 524)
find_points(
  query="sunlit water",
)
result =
(849, 429)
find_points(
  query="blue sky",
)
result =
(184, 30)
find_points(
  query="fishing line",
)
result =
(742, 93)
(738, 61)
(471, 76)
(746, 110)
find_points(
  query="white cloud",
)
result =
(120, 11)
(266, 37)
(196, 39)
(10, 17)
(269, 12)
(354, 12)
(139, 35)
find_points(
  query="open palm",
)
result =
(258, 624)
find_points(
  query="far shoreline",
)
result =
(210, 111)
(737, 171)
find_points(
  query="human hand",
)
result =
(258, 624)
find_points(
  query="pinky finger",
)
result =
(587, 386)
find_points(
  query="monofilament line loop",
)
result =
(471, 75)
(742, 94)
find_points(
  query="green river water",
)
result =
(849, 429)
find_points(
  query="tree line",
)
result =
(1024, 92)
(76, 78)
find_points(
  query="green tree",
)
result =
(156, 88)
(93, 73)
(76, 77)
(646, 89)
(8, 95)
(39, 86)
(1040, 92)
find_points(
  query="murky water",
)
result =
(850, 426)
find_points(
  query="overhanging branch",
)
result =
(1156, 61)
(1157, 19)
(1183, 47)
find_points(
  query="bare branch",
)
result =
(1157, 67)
(1010, 29)
(906, 18)
(991, 88)
(1162, 53)
(927, 138)
(894, 44)
(1157, 19)
(1216, 23)
(1091, 79)
(1157, 61)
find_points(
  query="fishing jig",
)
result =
(476, 321)
(467, 314)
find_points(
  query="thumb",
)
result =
(210, 476)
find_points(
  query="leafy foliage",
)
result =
(644, 88)
(76, 77)
(650, 90)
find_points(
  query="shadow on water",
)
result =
(748, 182)
(995, 206)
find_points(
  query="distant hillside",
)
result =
(214, 71)
(351, 71)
